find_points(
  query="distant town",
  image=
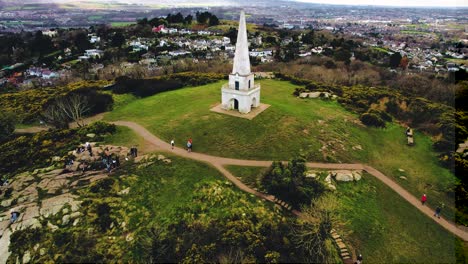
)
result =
(429, 40)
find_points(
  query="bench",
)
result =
(409, 135)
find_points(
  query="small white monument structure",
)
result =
(241, 93)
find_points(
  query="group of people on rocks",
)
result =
(134, 152)
(3, 182)
(87, 147)
(110, 161)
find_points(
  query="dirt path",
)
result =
(220, 162)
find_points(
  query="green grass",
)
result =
(387, 229)
(415, 32)
(380, 49)
(121, 24)
(124, 136)
(458, 61)
(164, 189)
(290, 126)
(94, 17)
(251, 176)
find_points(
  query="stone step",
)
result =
(335, 236)
(341, 245)
(344, 251)
(344, 255)
(339, 240)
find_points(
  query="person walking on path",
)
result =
(437, 211)
(189, 145)
(423, 199)
(172, 143)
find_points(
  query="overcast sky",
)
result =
(419, 3)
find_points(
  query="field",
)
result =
(380, 225)
(321, 130)
(387, 229)
(121, 24)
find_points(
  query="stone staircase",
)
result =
(282, 204)
(342, 248)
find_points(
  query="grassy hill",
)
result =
(322, 130)
(381, 225)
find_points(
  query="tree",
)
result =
(312, 233)
(232, 35)
(65, 109)
(81, 42)
(395, 60)
(290, 184)
(7, 125)
(213, 21)
(342, 55)
(308, 38)
(55, 117)
(41, 44)
(118, 40)
(142, 22)
(188, 19)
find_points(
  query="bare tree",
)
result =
(55, 117)
(65, 109)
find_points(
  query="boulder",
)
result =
(76, 222)
(161, 157)
(26, 257)
(357, 147)
(124, 191)
(42, 251)
(91, 135)
(129, 237)
(303, 95)
(167, 161)
(65, 220)
(311, 175)
(344, 176)
(331, 187)
(52, 226)
(6, 203)
(328, 179)
(75, 215)
(403, 178)
(314, 94)
(56, 158)
(357, 175)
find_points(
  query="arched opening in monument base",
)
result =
(234, 104)
(254, 102)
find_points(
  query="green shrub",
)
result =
(290, 184)
(370, 119)
(384, 115)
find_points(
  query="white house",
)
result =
(94, 53)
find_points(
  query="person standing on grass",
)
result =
(172, 143)
(423, 199)
(437, 211)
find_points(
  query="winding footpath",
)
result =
(220, 162)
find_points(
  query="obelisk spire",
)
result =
(241, 57)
